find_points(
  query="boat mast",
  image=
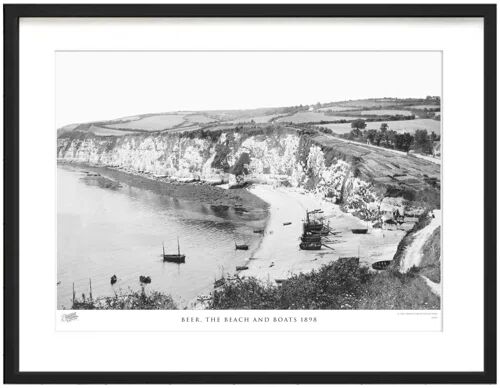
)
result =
(178, 247)
(163, 246)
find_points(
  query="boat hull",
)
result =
(381, 265)
(359, 231)
(174, 258)
(310, 246)
(309, 239)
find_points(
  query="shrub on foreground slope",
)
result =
(342, 284)
(131, 300)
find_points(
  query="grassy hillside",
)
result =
(340, 285)
(396, 173)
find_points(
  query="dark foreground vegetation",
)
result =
(129, 300)
(342, 284)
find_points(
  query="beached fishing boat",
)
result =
(310, 246)
(174, 257)
(144, 279)
(312, 227)
(241, 247)
(359, 231)
(261, 231)
(311, 237)
(381, 265)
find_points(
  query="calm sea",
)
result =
(104, 232)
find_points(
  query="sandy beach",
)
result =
(279, 257)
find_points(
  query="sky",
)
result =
(92, 86)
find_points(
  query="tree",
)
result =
(403, 141)
(407, 141)
(370, 135)
(422, 141)
(390, 138)
(383, 133)
(357, 126)
(379, 137)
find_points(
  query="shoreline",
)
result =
(244, 202)
(278, 255)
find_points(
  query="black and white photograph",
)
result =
(250, 193)
(236, 180)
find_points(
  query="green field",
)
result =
(151, 123)
(311, 117)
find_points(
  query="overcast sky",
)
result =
(94, 86)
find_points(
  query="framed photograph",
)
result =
(250, 193)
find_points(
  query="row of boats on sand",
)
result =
(315, 231)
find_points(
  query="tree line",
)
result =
(421, 141)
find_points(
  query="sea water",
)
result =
(103, 231)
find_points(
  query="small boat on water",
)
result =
(287, 223)
(381, 265)
(241, 247)
(359, 231)
(241, 267)
(174, 257)
(310, 246)
(261, 231)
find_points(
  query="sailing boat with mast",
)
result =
(174, 257)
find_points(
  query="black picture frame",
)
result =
(12, 13)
